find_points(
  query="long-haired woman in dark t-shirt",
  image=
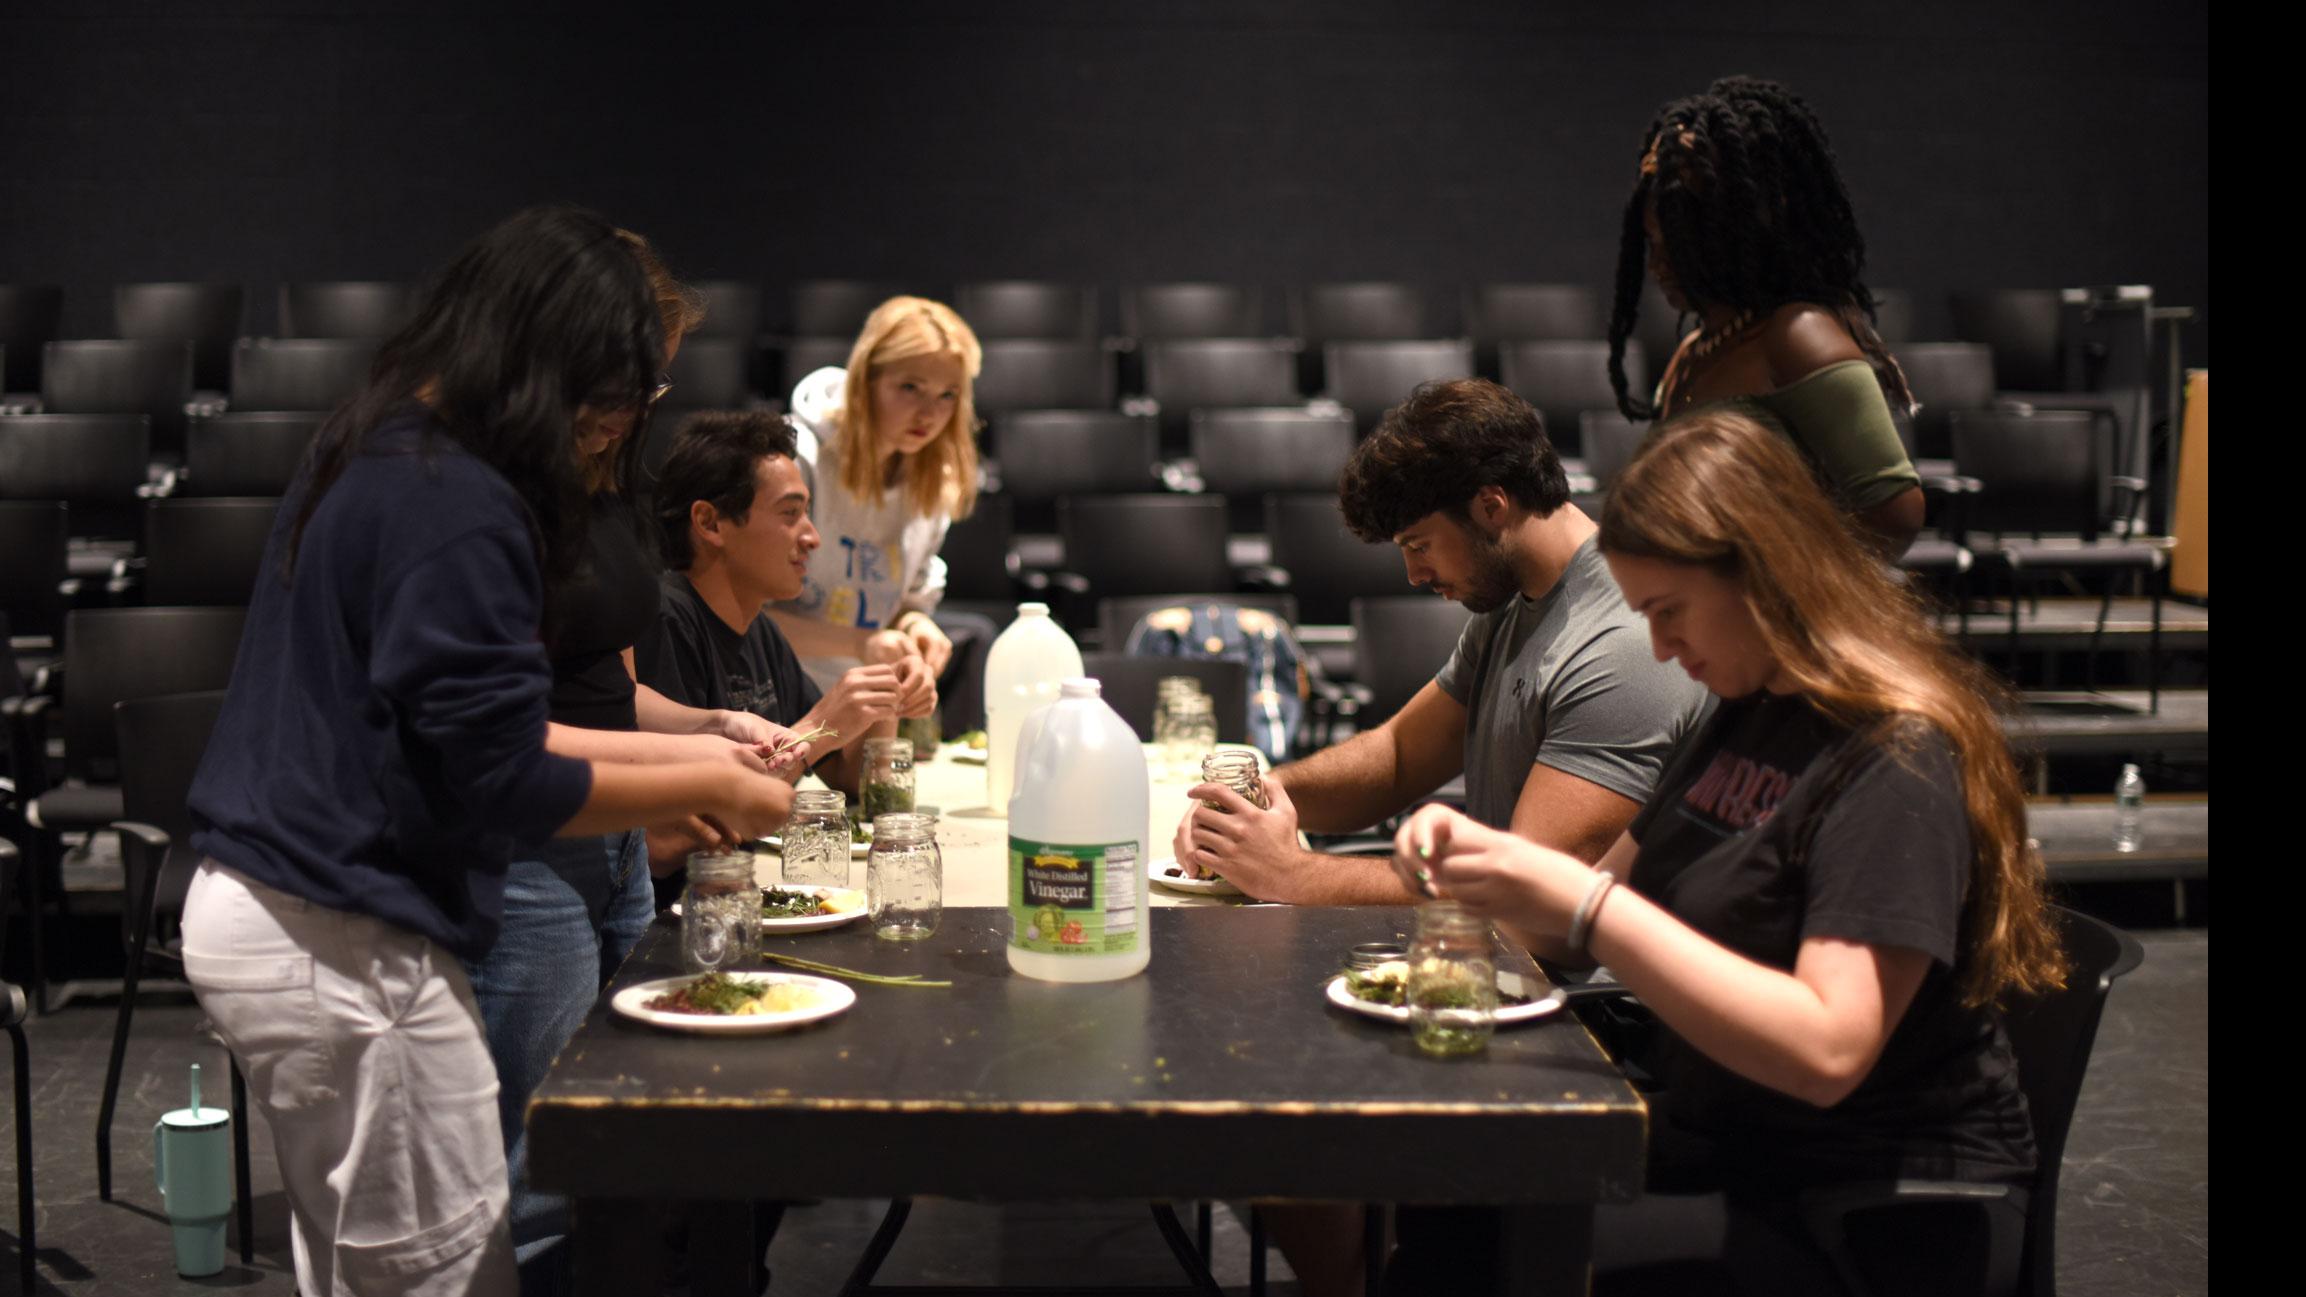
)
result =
(1828, 893)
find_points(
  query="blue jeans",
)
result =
(577, 894)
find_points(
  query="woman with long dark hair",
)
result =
(1740, 214)
(1825, 898)
(381, 753)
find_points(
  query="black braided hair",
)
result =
(1754, 215)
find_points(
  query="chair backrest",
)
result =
(1359, 312)
(2026, 329)
(205, 552)
(114, 654)
(709, 373)
(1220, 373)
(1247, 453)
(1160, 312)
(805, 356)
(31, 316)
(161, 740)
(1609, 441)
(1945, 377)
(1369, 378)
(2041, 471)
(246, 454)
(1328, 566)
(1042, 374)
(1023, 308)
(826, 308)
(1132, 686)
(344, 308)
(96, 458)
(2052, 1036)
(1399, 645)
(1117, 617)
(976, 552)
(35, 535)
(1145, 544)
(298, 374)
(103, 376)
(208, 316)
(732, 310)
(1566, 379)
(1532, 313)
(1050, 453)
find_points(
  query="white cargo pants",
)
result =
(361, 1044)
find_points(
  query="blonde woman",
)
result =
(889, 444)
(1823, 901)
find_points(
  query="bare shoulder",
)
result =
(1801, 338)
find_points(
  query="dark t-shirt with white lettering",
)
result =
(1775, 824)
(699, 661)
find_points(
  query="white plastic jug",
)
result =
(1076, 845)
(1022, 670)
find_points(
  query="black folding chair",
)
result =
(246, 454)
(207, 317)
(1400, 644)
(1021, 308)
(205, 552)
(31, 316)
(299, 374)
(14, 1009)
(1564, 380)
(1369, 378)
(344, 308)
(1245, 454)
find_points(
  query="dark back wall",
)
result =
(1987, 144)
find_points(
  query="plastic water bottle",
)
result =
(1022, 671)
(2129, 810)
(1077, 903)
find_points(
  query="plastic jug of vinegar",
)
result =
(1076, 849)
(1021, 674)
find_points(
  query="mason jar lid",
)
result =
(903, 829)
(820, 799)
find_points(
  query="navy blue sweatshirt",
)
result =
(382, 747)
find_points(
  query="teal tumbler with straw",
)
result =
(192, 1166)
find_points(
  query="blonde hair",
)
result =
(942, 477)
(680, 309)
(1718, 490)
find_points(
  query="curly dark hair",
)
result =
(712, 458)
(1754, 214)
(1432, 452)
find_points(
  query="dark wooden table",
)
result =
(1219, 1073)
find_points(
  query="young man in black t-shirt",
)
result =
(733, 510)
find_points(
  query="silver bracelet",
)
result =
(1581, 926)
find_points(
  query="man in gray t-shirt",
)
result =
(1552, 706)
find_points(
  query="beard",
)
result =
(1492, 583)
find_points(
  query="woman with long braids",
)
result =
(1822, 903)
(1740, 214)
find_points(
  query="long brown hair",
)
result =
(942, 476)
(680, 308)
(1717, 489)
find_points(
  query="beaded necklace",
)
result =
(1702, 348)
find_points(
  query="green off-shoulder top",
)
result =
(1839, 420)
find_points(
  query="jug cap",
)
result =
(1032, 610)
(1080, 687)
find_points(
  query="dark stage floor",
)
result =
(2134, 1220)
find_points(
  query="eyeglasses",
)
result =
(664, 385)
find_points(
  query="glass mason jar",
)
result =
(817, 840)
(720, 912)
(1166, 695)
(1452, 990)
(905, 877)
(887, 786)
(925, 733)
(1194, 732)
(1236, 770)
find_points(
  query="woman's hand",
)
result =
(1442, 853)
(929, 639)
(744, 727)
(862, 698)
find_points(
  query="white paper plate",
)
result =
(1507, 1014)
(832, 998)
(966, 757)
(817, 922)
(1166, 872)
